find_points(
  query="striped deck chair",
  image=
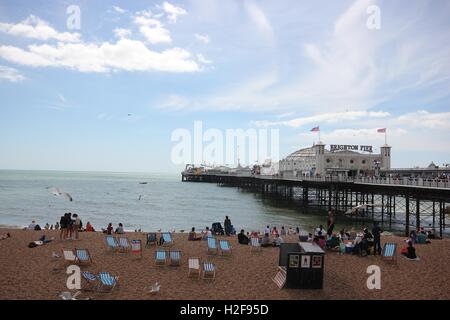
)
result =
(151, 239)
(256, 246)
(112, 244)
(389, 251)
(83, 256)
(107, 282)
(209, 271)
(175, 258)
(212, 246)
(136, 247)
(160, 257)
(124, 244)
(225, 247)
(91, 280)
(280, 277)
(69, 256)
(167, 237)
(194, 267)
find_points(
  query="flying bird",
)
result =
(57, 192)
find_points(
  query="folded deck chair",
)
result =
(160, 257)
(175, 258)
(212, 246)
(136, 248)
(280, 277)
(194, 267)
(167, 237)
(151, 238)
(389, 251)
(112, 243)
(91, 280)
(256, 246)
(124, 245)
(83, 256)
(225, 246)
(209, 270)
(69, 256)
(107, 282)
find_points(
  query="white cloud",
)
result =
(119, 9)
(335, 117)
(35, 28)
(259, 18)
(173, 11)
(122, 33)
(202, 38)
(174, 102)
(125, 54)
(426, 120)
(10, 74)
(152, 29)
(202, 59)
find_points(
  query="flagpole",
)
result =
(319, 134)
(385, 136)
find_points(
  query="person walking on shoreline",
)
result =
(227, 225)
(376, 233)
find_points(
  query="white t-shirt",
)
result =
(208, 233)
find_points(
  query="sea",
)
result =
(146, 201)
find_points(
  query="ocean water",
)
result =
(166, 203)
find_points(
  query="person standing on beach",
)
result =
(227, 225)
(76, 225)
(70, 225)
(376, 233)
(63, 225)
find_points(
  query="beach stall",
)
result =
(304, 263)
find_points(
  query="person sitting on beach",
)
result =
(320, 231)
(410, 251)
(283, 231)
(119, 229)
(108, 229)
(57, 225)
(242, 238)
(5, 236)
(32, 225)
(278, 241)
(265, 242)
(275, 231)
(89, 227)
(352, 233)
(47, 226)
(193, 235)
(207, 233)
(413, 237)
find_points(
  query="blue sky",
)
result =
(66, 94)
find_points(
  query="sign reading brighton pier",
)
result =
(351, 147)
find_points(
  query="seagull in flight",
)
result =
(57, 192)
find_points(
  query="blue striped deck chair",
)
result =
(389, 251)
(124, 245)
(167, 237)
(83, 256)
(112, 243)
(107, 282)
(209, 270)
(151, 239)
(91, 280)
(175, 258)
(212, 246)
(256, 246)
(160, 257)
(225, 247)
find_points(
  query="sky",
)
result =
(103, 85)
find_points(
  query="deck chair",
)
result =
(112, 243)
(209, 271)
(175, 258)
(212, 246)
(160, 257)
(389, 251)
(151, 239)
(136, 247)
(107, 282)
(91, 280)
(69, 256)
(225, 247)
(167, 237)
(280, 277)
(194, 267)
(83, 256)
(256, 246)
(124, 245)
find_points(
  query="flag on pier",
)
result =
(315, 129)
(383, 130)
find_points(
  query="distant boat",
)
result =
(143, 182)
